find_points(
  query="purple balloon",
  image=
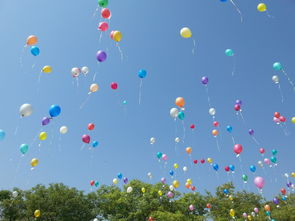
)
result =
(205, 80)
(170, 194)
(251, 131)
(45, 121)
(276, 201)
(289, 184)
(125, 180)
(101, 56)
(239, 102)
(163, 180)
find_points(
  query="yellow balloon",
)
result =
(186, 32)
(160, 193)
(34, 162)
(117, 36)
(175, 166)
(189, 181)
(143, 190)
(230, 198)
(47, 69)
(43, 136)
(293, 120)
(293, 174)
(175, 184)
(37, 213)
(232, 212)
(261, 7)
(209, 160)
(249, 217)
(93, 88)
(115, 181)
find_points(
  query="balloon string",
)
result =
(217, 144)
(100, 37)
(83, 104)
(139, 95)
(237, 9)
(183, 138)
(289, 79)
(233, 139)
(120, 51)
(208, 97)
(194, 47)
(255, 140)
(242, 117)
(282, 97)
(234, 66)
(95, 12)
(94, 77)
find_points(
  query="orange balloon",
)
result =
(180, 101)
(267, 207)
(32, 40)
(188, 150)
(208, 205)
(214, 132)
(187, 185)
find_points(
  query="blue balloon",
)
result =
(215, 166)
(95, 143)
(35, 50)
(252, 168)
(2, 134)
(54, 110)
(223, 0)
(225, 191)
(142, 73)
(120, 175)
(267, 213)
(24, 148)
(171, 172)
(229, 128)
(284, 198)
(231, 167)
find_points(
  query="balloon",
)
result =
(101, 56)
(191, 207)
(114, 85)
(180, 115)
(245, 177)
(96, 184)
(273, 159)
(205, 80)
(245, 215)
(249, 217)
(24, 148)
(14, 194)
(129, 189)
(95, 144)
(160, 193)
(103, 3)
(267, 213)
(170, 194)
(180, 102)
(293, 174)
(215, 166)
(115, 181)
(32, 40)
(185, 169)
(188, 150)
(195, 161)
(252, 168)
(256, 210)
(85, 70)
(215, 132)
(267, 161)
(276, 201)
(208, 205)
(164, 157)
(284, 198)
(275, 79)
(202, 161)
(117, 36)
(43, 136)
(86, 138)
(175, 166)
(293, 120)
(212, 111)
(262, 150)
(175, 184)
(277, 114)
(261, 7)
(283, 191)
(92, 182)
(209, 160)
(112, 34)
(125, 180)
(215, 124)
(174, 112)
(231, 167)
(150, 218)
(189, 181)
(45, 121)
(251, 132)
(286, 175)
(26, 110)
(232, 212)
(259, 182)
(75, 72)
(2, 134)
(37, 213)
(192, 126)
(267, 207)
(35, 50)
(143, 190)
(239, 102)
(103, 26)
(238, 149)
(34, 162)
(193, 188)
(105, 13)
(149, 174)
(159, 155)
(230, 197)
(187, 185)
(237, 107)
(54, 110)
(229, 128)
(226, 168)
(63, 130)
(47, 69)
(282, 119)
(229, 52)
(177, 140)
(277, 66)
(91, 126)
(274, 152)
(163, 180)
(152, 140)
(260, 163)
(186, 32)
(142, 73)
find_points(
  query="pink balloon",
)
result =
(259, 182)
(170, 194)
(103, 26)
(267, 161)
(164, 157)
(245, 215)
(256, 210)
(112, 35)
(262, 150)
(238, 149)
(191, 207)
(114, 85)
(86, 138)
(276, 120)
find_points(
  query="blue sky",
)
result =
(68, 37)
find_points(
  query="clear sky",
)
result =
(68, 37)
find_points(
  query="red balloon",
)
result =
(238, 149)
(193, 188)
(237, 107)
(91, 126)
(262, 150)
(215, 124)
(202, 161)
(208, 205)
(226, 168)
(195, 161)
(114, 85)
(151, 218)
(86, 138)
(282, 119)
(283, 191)
(92, 182)
(277, 114)
(192, 126)
(106, 13)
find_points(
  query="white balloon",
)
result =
(129, 189)
(212, 111)
(85, 70)
(171, 188)
(260, 163)
(26, 110)
(14, 194)
(177, 139)
(174, 112)
(95, 219)
(149, 174)
(253, 214)
(152, 140)
(275, 79)
(286, 175)
(63, 130)
(185, 168)
(76, 72)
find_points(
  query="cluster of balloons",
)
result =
(54, 111)
(32, 40)
(77, 71)
(238, 105)
(120, 177)
(94, 183)
(278, 118)
(86, 138)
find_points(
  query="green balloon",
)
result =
(125, 102)
(273, 159)
(103, 3)
(159, 155)
(24, 148)
(229, 52)
(274, 152)
(277, 66)
(180, 115)
(245, 177)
